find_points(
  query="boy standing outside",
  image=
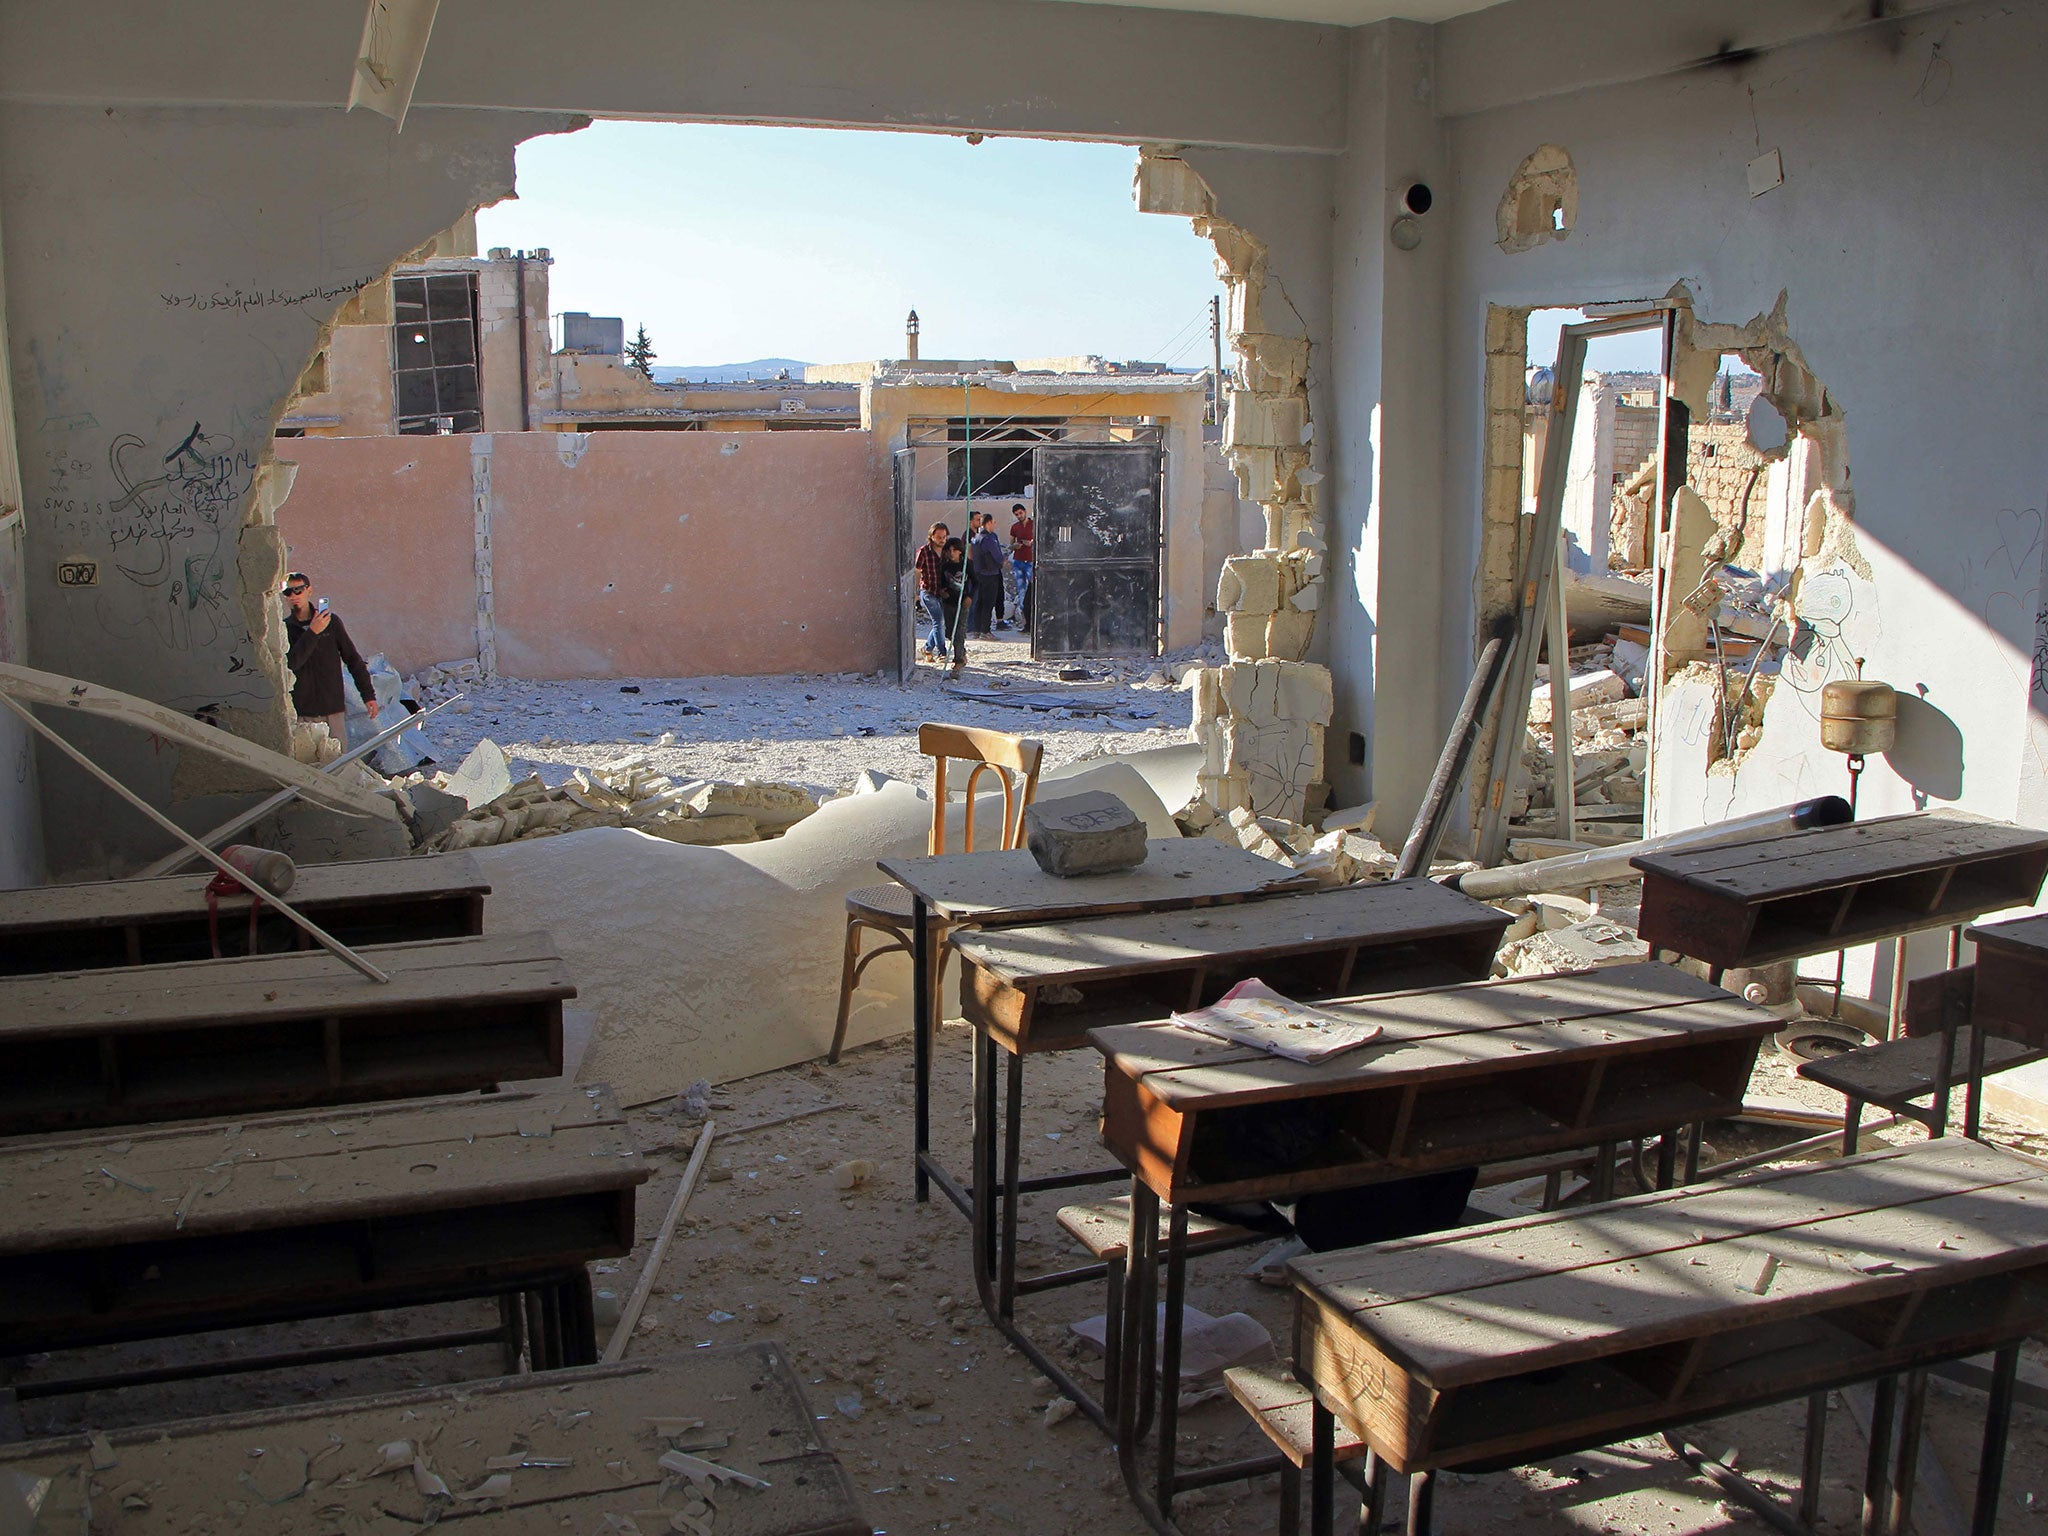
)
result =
(317, 646)
(931, 588)
(985, 561)
(1023, 554)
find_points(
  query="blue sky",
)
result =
(734, 243)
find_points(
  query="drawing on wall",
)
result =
(167, 516)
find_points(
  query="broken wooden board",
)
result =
(575, 1448)
(103, 923)
(1530, 1338)
(261, 1032)
(54, 691)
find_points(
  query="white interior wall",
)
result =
(1912, 175)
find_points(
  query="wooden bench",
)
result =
(1803, 893)
(2010, 994)
(1043, 987)
(1284, 1411)
(1505, 1344)
(150, 922)
(169, 1230)
(573, 1449)
(259, 1032)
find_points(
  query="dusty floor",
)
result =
(943, 1427)
(816, 731)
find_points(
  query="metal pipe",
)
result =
(326, 940)
(525, 383)
(171, 863)
(1735, 1486)
(1576, 871)
(1456, 758)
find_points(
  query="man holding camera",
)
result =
(317, 646)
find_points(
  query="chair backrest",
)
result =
(1014, 760)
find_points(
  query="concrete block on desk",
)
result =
(1087, 834)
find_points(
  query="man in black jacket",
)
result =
(317, 646)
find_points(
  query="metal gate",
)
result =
(1095, 590)
(908, 609)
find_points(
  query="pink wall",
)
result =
(617, 554)
(386, 528)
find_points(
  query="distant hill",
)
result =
(729, 373)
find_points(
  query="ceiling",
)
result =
(1345, 13)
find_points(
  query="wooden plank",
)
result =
(1117, 946)
(1429, 1012)
(2022, 937)
(1798, 863)
(318, 887)
(1557, 1241)
(602, 1424)
(1893, 1072)
(1009, 887)
(1547, 1320)
(100, 1190)
(54, 691)
(1453, 1032)
(312, 983)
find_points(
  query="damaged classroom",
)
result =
(1463, 965)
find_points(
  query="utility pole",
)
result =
(1216, 347)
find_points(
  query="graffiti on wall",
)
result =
(163, 520)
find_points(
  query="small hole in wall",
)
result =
(1557, 218)
(608, 586)
(1357, 745)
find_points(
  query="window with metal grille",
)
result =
(997, 457)
(434, 354)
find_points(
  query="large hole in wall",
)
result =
(1742, 558)
(681, 280)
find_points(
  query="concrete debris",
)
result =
(1579, 946)
(1609, 745)
(623, 793)
(313, 743)
(1093, 833)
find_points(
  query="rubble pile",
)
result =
(1610, 746)
(1338, 855)
(1555, 932)
(623, 793)
(430, 685)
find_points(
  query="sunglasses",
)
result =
(295, 591)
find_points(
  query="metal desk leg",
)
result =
(1852, 1124)
(1877, 1463)
(1667, 1159)
(1421, 1502)
(1972, 1115)
(1322, 1513)
(2005, 1366)
(982, 1222)
(1810, 1468)
(1908, 1464)
(1290, 1500)
(1169, 1353)
(1372, 1509)
(1694, 1140)
(1013, 1134)
(920, 1041)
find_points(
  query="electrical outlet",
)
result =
(78, 573)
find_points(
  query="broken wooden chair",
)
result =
(1014, 760)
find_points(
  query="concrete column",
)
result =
(1395, 671)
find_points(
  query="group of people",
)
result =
(961, 586)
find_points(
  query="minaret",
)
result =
(910, 337)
